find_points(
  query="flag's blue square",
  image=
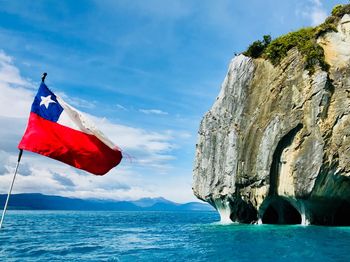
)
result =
(46, 105)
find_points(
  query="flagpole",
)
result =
(10, 190)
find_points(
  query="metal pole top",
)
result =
(43, 77)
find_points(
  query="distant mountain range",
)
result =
(35, 201)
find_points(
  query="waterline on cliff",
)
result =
(304, 220)
(225, 223)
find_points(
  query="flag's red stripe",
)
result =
(70, 146)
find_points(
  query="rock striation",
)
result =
(275, 146)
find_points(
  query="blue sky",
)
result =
(145, 71)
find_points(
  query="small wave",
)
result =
(224, 223)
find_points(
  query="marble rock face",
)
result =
(275, 146)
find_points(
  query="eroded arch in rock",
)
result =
(279, 210)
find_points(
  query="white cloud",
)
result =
(318, 16)
(8, 72)
(4, 161)
(121, 107)
(153, 111)
(314, 12)
(135, 139)
(147, 149)
(184, 135)
(317, 2)
(48, 176)
(14, 102)
(77, 102)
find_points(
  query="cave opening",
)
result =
(342, 214)
(275, 169)
(281, 212)
(270, 216)
(243, 211)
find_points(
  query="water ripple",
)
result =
(162, 236)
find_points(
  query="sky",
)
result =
(145, 72)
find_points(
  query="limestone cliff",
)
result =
(275, 146)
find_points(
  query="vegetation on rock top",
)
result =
(305, 40)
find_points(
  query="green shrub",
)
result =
(257, 47)
(340, 10)
(325, 28)
(331, 22)
(337, 10)
(305, 40)
(279, 47)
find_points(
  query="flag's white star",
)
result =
(46, 100)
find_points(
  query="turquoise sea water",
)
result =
(162, 236)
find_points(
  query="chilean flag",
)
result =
(57, 130)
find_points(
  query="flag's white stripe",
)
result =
(65, 120)
(73, 118)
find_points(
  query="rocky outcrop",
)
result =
(275, 146)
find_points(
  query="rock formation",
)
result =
(275, 146)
